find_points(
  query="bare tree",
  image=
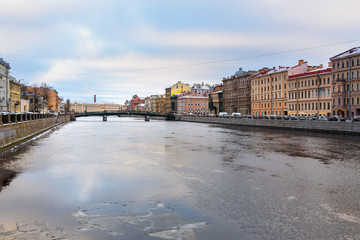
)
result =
(67, 106)
(37, 97)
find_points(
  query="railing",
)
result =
(8, 118)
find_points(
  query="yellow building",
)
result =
(160, 104)
(86, 107)
(310, 93)
(269, 92)
(15, 95)
(177, 88)
(346, 83)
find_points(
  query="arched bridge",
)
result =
(168, 116)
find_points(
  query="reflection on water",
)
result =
(131, 179)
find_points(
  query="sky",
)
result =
(118, 48)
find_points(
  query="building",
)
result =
(110, 107)
(160, 104)
(202, 89)
(192, 104)
(48, 94)
(15, 95)
(135, 100)
(4, 85)
(177, 88)
(346, 83)
(236, 92)
(25, 105)
(86, 107)
(309, 93)
(36, 102)
(269, 93)
(216, 100)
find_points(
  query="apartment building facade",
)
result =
(236, 92)
(309, 93)
(346, 83)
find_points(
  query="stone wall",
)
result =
(352, 128)
(20, 131)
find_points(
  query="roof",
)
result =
(193, 96)
(4, 63)
(350, 52)
(313, 72)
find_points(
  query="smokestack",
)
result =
(94, 98)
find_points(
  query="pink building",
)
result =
(193, 103)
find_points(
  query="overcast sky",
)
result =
(118, 48)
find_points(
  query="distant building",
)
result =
(192, 103)
(201, 89)
(110, 107)
(15, 95)
(346, 83)
(160, 104)
(134, 102)
(4, 85)
(216, 100)
(236, 92)
(176, 89)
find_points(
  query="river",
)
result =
(131, 179)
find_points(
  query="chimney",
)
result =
(94, 98)
(301, 62)
(321, 66)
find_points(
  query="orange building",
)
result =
(269, 93)
(49, 95)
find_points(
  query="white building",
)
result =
(4, 85)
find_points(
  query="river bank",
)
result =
(15, 132)
(348, 128)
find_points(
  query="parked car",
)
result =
(334, 118)
(322, 118)
(342, 119)
(312, 117)
(302, 117)
(279, 117)
(356, 118)
(293, 117)
(249, 116)
(266, 117)
(286, 117)
(236, 115)
(223, 114)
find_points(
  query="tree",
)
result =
(67, 106)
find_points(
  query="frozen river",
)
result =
(131, 179)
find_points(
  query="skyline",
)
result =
(117, 49)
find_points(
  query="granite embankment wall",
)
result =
(17, 131)
(351, 128)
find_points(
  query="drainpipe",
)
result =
(349, 112)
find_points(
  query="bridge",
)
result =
(168, 116)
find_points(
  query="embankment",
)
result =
(18, 131)
(349, 128)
